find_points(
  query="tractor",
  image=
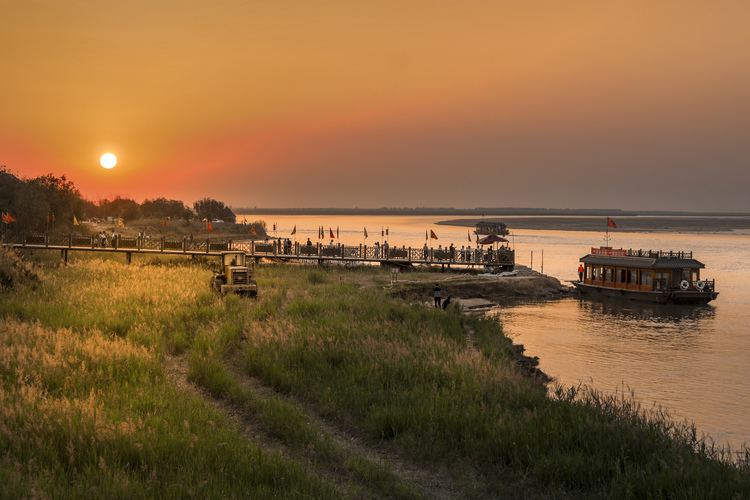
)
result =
(234, 276)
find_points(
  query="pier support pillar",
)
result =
(128, 256)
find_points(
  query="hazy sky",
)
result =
(588, 104)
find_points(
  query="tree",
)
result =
(208, 208)
(122, 208)
(46, 197)
(161, 208)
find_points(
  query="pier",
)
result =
(502, 258)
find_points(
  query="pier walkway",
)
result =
(276, 250)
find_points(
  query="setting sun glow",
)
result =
(108, 160)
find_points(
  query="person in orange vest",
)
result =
(580, 272)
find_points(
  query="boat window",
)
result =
(609, 274)
(646, 278)
(588, 273)
(622, 276)
(597, 273)
(633, 277)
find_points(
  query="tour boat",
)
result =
(486, 227)
(653, 276)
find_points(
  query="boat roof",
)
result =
(642, 262)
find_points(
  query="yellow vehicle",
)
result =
(234, 276)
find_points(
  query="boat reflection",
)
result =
(633, 321)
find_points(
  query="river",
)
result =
(691, 361)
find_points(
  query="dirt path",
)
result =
(422, 478)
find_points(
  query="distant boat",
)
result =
(653, 276)
(496, 228)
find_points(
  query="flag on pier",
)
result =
(120, 223)
(433, 235)
(365, 233)
(7, 218)
(75, 221)
(468, 233)
(330, 231)
(209, 227)
(611, 223)
(294, 231)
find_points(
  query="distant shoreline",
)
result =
(625, 224)
(483, 212)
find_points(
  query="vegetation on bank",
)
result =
(90, 404)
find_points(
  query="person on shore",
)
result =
(437, 293)
(580, 272)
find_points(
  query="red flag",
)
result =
(252, 229)
(469, 235)
(611, 223)
(337, 232)
(294, 231)
(330, 231)
(10, 217)
(433, 235)
(208, 226)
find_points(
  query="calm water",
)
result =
(690, 360)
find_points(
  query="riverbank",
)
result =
(129, 381)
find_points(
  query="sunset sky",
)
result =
(631, 105)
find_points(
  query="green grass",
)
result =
(85, 395)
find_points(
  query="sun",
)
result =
(108, 160)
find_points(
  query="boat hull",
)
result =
(675, 296)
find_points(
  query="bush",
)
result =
(14, 270)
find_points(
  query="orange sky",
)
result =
(633, 105)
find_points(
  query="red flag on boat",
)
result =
(611, 223)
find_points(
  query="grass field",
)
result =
(138, 381)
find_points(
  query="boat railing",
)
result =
(660, 254)
(652, 254)
(667, 285)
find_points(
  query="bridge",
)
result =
(276, 250)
